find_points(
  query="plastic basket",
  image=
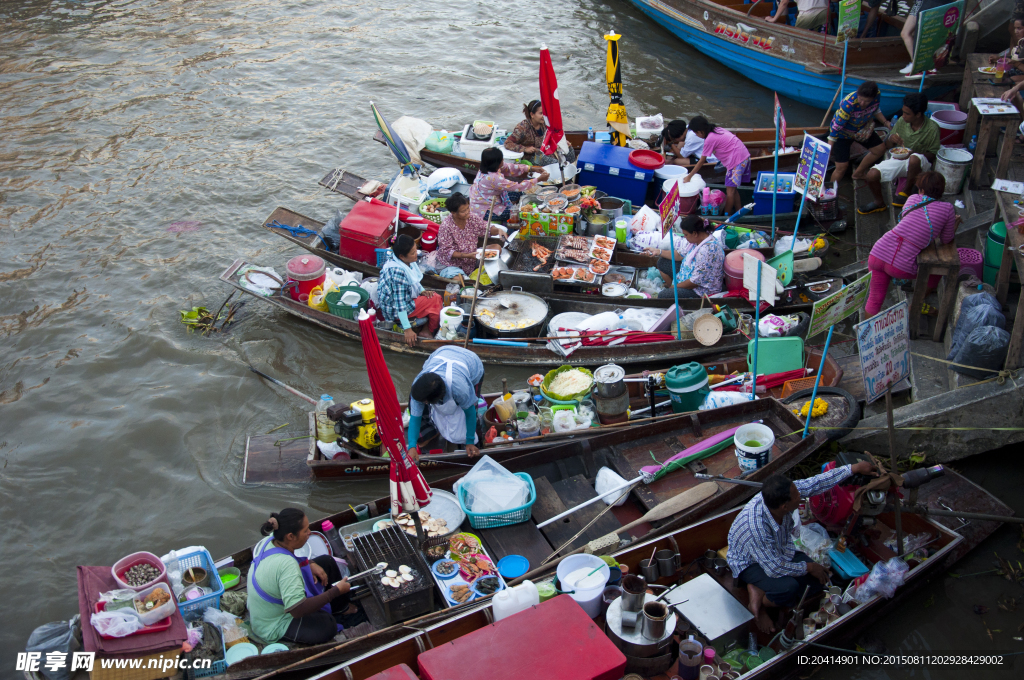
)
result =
(433, 217)
(382, 256)
(825, 210)
(334, 305)
(129, 561)
(793, 386)
(193, 609)
(217, 667)
(490, 520)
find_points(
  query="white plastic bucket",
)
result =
(752, 457)
(588, 598)
(952, 164)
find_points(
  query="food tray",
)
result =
(574, 281)
(600, 253)
(157, 627)
(444, 585)
(526, 262)
(599, 267)
(577, 243)
(619, 274)
(605, 242)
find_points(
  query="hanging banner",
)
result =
(781, 119)
(936, 34)
(884, 344)
(668, 209)
(810, 174)
(849, 20)
(834, 308)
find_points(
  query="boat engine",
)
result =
(357, 426)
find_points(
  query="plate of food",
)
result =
(988, 70)
(599, 267)
(600, 253)
(605, 242)
(573, 255)
(562, 273)
(463, 544)
(583, 275)
(473, 566)
(900, 153)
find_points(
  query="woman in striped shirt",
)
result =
(925, 218)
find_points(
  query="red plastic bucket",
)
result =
(951, 126)
(734, 267)
(308, 272)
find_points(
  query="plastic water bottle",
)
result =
(324, 425)
(973, 144)
(590, 134)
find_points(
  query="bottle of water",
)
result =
(973, 144)
(324, 425)
(590, 134)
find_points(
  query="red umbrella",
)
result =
(549, 101)
(409, 490)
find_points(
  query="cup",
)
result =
(620, 231)
(709, 656)
(721, 567)
(655, 620)
(835, 590)
(706, 672)
(809, 628)
(634, 589)
(709, 559)
(1001, 65)
(724, 667)
(649, 569)
(668, 563)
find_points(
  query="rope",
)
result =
(297, 230)
(1000, 377)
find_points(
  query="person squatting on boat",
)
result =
(762, 556)
(916, 132)
(400, 294)
(449, 385)
(492, 182)
(529, 134)
(852, 123)
(680, 145)
(700, 260)
(295, 598)
(457, 239)
(730, 150)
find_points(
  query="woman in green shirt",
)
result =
(287, 595)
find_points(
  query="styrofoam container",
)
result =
(473, 148)
(126, 563)
(159, 613)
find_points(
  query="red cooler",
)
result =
(734, 267)
(309, 271)
(366, 228)
(399, 672)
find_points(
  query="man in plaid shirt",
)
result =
(400, 295)
(761, 551)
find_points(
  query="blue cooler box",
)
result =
(763, 193)
(608, 168)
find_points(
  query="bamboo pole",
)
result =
(479, 273)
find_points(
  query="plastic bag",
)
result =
(884, 579)
(563, 421)
(720, 399)
(442, 178)
(317, 299)
(608, 479)
(774, 326)
(647, 220)
(440, 141)
(815, 542)
(331, 232)
(118, 623)
(971, 318)
(57, 636)
(782, 244)
(491, 488)
(229, 626)
(646, 239)
(985, 347)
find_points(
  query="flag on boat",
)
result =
(393, 141)
(409, 490)
(549, 102)
(780, 121)
(616, 117)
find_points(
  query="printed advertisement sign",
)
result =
(836, 307)
(668, 209)
(849, 20)
(810, 174)
(884, 343)
(936, 33)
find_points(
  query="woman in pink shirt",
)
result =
(924, 219)
(726, 147)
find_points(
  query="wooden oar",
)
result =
(479, 273)
(673, 506)
(281, 384)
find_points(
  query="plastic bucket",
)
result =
(970, 260)
(754, 443)
(951, 126)
(687, 386)
(589, 598)
(952, 164)
(994, 244)
(451, 317)
(734, 267)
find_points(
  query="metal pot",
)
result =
(609, 382)
(597, 225)
(521, 306)
(611, 206)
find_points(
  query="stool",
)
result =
(988, 126)
(943, 260)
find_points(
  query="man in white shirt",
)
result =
(811, 14)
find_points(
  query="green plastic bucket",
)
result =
(994, 244)
(687, 386)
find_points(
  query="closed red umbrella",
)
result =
(549, 102)
(409, 490)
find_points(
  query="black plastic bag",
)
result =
(971, 319)
(985, 347)
(58, 636)
(331, 233)
(980, 299)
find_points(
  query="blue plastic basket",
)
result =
(382, 256)
(217, 667)
(490, 520)
(193, 609)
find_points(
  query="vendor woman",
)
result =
(529, 134)
(458, 237)
(700, 260)
(492, 182)
(450, 385)
(291, 597)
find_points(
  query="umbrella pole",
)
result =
(757, 332)
(775, 182)
(479, 273)
(561, 164)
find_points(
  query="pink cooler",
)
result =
(951, 126)
(308, 271)
(971, 260)
(734, 267)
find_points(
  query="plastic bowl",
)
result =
(160, 613)
(475, 589)
(442, 576)
(900, 153)
(230, 577)
(126, 563)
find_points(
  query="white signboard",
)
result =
(884, 342)
(769, 277)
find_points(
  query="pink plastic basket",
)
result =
(126, 563)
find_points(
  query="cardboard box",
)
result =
(546, 224)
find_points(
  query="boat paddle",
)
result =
(479, 273)
(281, 384)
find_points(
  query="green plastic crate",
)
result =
(776, 355)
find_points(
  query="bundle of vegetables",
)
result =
(567, 383)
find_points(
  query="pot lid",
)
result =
(707, 329)
(306, 267)
(609, 374)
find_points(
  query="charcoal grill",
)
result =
(391, 544)
(525, 261)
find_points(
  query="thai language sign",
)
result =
(835, 307)
(884, 343)
(849, 20)
(810, 174)
(936, 33)
(668, 209)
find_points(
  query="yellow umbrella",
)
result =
(616, 116)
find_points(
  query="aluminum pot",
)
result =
(521, 306)
(611, 206)
(597, 225)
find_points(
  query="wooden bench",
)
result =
(943, 260)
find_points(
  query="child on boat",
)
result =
(727, 148)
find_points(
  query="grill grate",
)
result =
(391, 545)
(525, 261)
